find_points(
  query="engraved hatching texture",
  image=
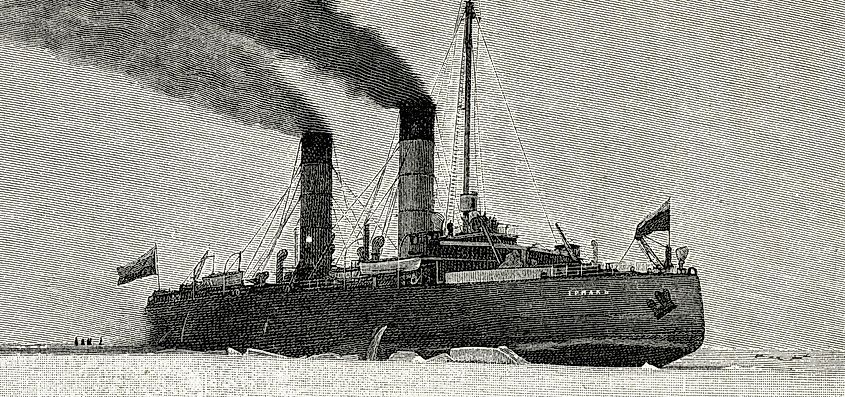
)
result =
(735, 110)
(173, 53)
(234, 375)
(553, 320)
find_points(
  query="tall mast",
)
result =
(469, 15)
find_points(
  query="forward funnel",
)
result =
(315, 223)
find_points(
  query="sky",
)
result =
(732, 109)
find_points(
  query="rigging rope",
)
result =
(385, 213)
(393, 243)
(452, 44)
(273, 211)
(260, 243)
(274, 241)
(626, 253)
(441, 159)
(380, 174)
(655, 241)
(293, 173)
(449, 213)
(290, 204)
(345, 201)
(356, 232)
(272, 216)
(356, 200)
(515, 131)
(343, 188)
(367, 207)
(438, 122)
(389, 210)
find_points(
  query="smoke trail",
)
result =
(313, 31)
(168, 51)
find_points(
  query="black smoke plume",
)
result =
(313, 31)
(168, 50)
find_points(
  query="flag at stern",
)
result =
(139, 268)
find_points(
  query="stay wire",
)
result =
(516, 132)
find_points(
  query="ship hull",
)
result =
(602, 320)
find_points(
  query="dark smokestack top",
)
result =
(416, 120)
(316, 147)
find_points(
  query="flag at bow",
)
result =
(654, 222)
(139, 268)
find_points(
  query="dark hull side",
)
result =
(598, 320)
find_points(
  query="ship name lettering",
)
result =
(582, 292)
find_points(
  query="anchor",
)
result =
(662, 303)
